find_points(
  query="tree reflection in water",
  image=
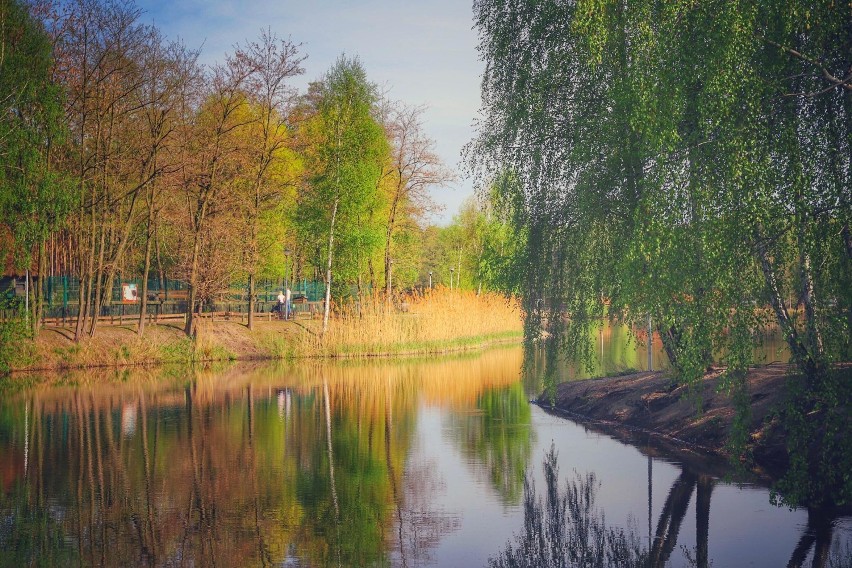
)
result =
(498, 437)
(563, 528)
(566, 529)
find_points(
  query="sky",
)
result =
(422, 53)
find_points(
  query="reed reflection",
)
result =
(248, 467)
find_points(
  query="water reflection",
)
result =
(564, 527)
(498, 435)
(618, 349)
(403, 464)
(248, 467)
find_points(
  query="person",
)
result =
(279, 307)
(287, 298)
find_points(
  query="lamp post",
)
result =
(287, 253)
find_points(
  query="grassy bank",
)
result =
(440, 321)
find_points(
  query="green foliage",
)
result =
(503, 239)
(500, 438)
(684, 160)
(479, 248)
(16, 347)
(34, 200)
(343, 160)
(656, 170)
(817, 425)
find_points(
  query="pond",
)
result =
(618, 349)
(416, 463)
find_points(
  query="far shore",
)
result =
(120, 346)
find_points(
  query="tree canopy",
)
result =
(687, 161)
(345, 157)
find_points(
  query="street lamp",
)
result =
(287, 253)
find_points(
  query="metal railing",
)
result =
(166, 300)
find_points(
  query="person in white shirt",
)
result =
(281, 303)
(287, 298)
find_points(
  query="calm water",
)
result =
(387, 463)
(616, 349)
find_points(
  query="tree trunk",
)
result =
(251, 301)
(388, 238)
(190, 328)
(327, 304)
(372, 272)
(847, 242)
(388, 281)
(161, 274)
(670, 337)
(38, 307)
(118, 255)
(458, 272)
(97, 299)
(82, 307)
(799, 352)
(87, 268)
(813, 338)
(143, 301)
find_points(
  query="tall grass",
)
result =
(430, 322)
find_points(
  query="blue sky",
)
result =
(424, 52)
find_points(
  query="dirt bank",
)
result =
(647, 403)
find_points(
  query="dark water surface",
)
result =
(386, 463)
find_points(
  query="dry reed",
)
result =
(430, 322)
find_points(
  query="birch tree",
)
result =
(344, 162)
(689, 161)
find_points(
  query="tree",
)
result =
(412, 170)
(167, 71)
(343, 161)
(35, 198)
(503, 239)
(270, 168)
(99, 49)
(639, 176)
(687, 161)
(208, 143)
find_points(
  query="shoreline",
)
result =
(645, 406)
(119, 347)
